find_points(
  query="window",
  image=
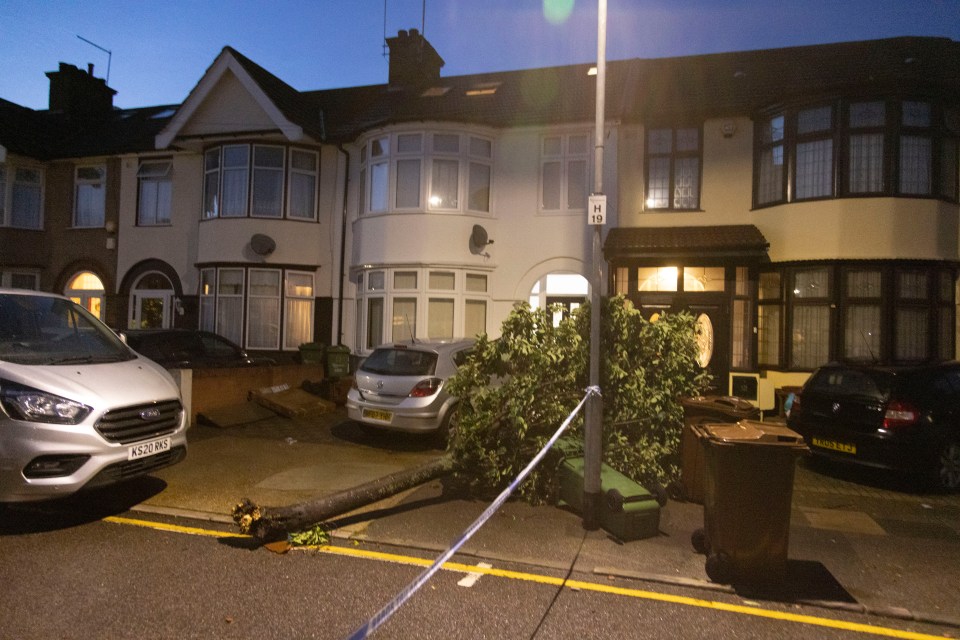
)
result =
(230, 304)
(304, 178)
(770, 306)
(741, 354)
(404, 303)
(268, 170)
(20, 280)
(263, 309)
(862, 315)
(262, 181)
(771, 177)
(236, 180)
(814, 165)
(866, 170)
(420, 171)
(887, 313)
(21, 197)
(810, 337)
(155, 193)
(857, 148)
(89, 196)
(673, 168)
(916, 149)
(299, 304)
(564, 161)
(274, 308)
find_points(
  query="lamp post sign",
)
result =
(597, 210)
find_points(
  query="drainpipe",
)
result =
(343, 242)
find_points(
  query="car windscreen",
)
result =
(43, 330)
(400, 362)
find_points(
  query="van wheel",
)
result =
(948, 467)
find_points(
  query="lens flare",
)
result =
(557, 11)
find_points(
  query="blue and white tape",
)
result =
(390, 608)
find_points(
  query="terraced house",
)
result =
(801, 202)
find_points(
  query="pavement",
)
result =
(857, 542)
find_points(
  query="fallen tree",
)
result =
(272, 523)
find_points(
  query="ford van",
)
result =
(78, 407)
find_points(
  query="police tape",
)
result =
(390, 608)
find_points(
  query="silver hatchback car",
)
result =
(400, 387)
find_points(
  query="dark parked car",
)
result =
(906, 419)
(188, 349)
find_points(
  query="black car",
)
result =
(906, 419)
(188, 349)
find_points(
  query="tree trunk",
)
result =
(271, 523)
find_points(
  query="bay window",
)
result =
(258, 308)
(399, 304)
(260, 181)
(425, 171)
(873, 147)
(885, 312)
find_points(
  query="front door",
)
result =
(151, 309)
(712, 312)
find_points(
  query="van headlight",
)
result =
(24, 403)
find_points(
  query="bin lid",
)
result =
(754, 432)
(723, 403)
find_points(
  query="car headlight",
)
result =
(24, 403)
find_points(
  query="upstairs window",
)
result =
(673, 169)
(426, 171)
(857, 148)
(20, 197)
(564, 162)
(260, 181)
(89, 196)
(155, 192)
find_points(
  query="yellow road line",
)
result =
(562, 582)
(160, 526)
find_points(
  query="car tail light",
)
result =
(900, 414)
(426, 388)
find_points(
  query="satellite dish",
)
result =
(479, 237)
(262, 245)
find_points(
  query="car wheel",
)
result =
(948, 467)
(447, 432)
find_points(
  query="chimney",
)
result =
(77, 93)
(414, 62)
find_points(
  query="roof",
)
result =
(677, 242)
(638, 90)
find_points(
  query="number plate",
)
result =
(833, 445)
(146, 449)
(376, 414)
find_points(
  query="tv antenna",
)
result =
(423, 24)
(107, 51)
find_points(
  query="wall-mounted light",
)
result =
(728, 128)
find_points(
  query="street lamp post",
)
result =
(596, 217)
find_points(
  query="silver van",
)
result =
(78, 407)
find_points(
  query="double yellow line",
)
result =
(563, 582)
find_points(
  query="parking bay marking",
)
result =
(562, 582)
